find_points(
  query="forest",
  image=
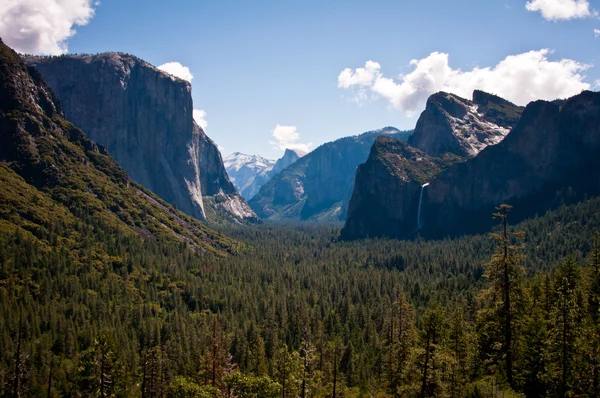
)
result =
(298, 313)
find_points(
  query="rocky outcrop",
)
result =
(54, 178)
(456, 125)
(318, 186)
(289, 156)
(388, 190)
(551, 157)
(144, 117)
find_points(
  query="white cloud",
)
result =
(177, 70)
(554, 10)
(519, 78)
(597, 33)
(42, 26)
(288, 137)
(200, 118)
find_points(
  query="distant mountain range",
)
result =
(143, 116)
(317, 187)
(250, 172)
(466, 165)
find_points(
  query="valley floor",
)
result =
(299, 313)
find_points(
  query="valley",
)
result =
(159, 238)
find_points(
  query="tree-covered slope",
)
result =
(54, 175)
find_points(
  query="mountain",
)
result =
(388, 189)
(289, 156)
(56, 181)
(143, 116)
(453, 124)
(549, 158)
(318, 186)
(250, 172)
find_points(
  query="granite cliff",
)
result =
(143, 116)
(456, 125)
(318, 186)
(550, 157)
(56, 183)
(388, 189)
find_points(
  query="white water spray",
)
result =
(419, 222)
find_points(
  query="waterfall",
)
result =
(419, 223)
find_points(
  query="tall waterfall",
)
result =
(419, 223)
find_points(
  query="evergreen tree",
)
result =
(98, 371)
(504, 271)
(288, 371)
(565, 327)
(401, 336)
(431, 356)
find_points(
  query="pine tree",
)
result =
(287, 371)
(98, 371)
(460, 345)
(565, 327)
(534, 339)
(504, 270)
(307, 356)
(401, 335)
(432, 332)
(589, 342)
(216, 361)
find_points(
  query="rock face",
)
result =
(318, 186)
(52, 174)
(456, 125)
(550, 157)
(250, 172)
(289, 156)
(144, 117)
(388, 189)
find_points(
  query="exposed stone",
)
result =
(453, 124)
(318, 186)
(143, 116)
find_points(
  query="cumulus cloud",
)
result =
(519, 78)
(554, 10)
(200, 118)
(288, 137)
(597, 33)
(177, 70)
(42, 26)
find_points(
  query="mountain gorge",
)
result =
(318, 186)
(543, 162)
(143, 116)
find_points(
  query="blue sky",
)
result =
(259, 64)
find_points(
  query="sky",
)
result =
(268, 75)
